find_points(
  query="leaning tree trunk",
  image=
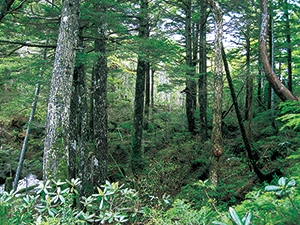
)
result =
(245, 137)
(57, 126)
(282, 92)
(216, 138)
(26, 139)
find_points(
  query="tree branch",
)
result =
(27, 44)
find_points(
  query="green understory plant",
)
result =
(236, 219)
(54, 202)
(284, 189)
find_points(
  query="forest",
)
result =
(149, 112)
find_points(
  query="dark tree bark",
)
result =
(4, 7)
(282, 92)
(99, 158)
(190, 90)
(246, 140)
(78, 121)
(73, 127)
(249, 94)
(57, 126)
(136, 150)
(26, 139)
(202, 83)
(82, 124)
(289, 47)
(147, 98)
(152, 89)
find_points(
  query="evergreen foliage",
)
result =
(170, 184)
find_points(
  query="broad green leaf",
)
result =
(282, 181)
(291, 183)
(247, 219)
(272, 188)
(100, 191)
(235, 217)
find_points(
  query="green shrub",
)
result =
(182, 213)
(54, 202)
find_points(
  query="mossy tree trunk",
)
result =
(216, 137)
(99, 158)
(57, 127)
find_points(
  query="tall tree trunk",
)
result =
(152, 89)
(136, 151)
(202, 83)
(282, 92)
(99, 159)
(190, 102)
(216, 138)
(57, 126)
(249, 96)
(73, 127)
(271, 96)
(78, 122)
(147, 98)
(260, 84)
(289, 47)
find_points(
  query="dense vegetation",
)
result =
(143, 104)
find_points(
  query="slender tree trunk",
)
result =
(147, 99)
(246, 140)
(152, 90)
(73, 127)
(82, 123)
(99, 159)
(91, 111)
(136, 151)
(190, 102)
(249, 100)
(202, 85)
(216, 138)
(282, 92)
(26, 139)
(57, 126)
(289, 47)
(271, 96)
(78, 122)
